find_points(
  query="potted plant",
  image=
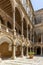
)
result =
(31, 54)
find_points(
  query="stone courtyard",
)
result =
(23, 61)
(21, 33)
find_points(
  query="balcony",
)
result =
(8, 31)
(5, 29)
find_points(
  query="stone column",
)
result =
(33, 40)
(22, 52)
(41, 38)
(27, 39)
(14, 18)
(22, 23)
(14, 37)
(41, 51)
(27, 31)
(22, 38)
(22, 35)
(14, 51)
(27, 51)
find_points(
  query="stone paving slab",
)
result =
(23, 61)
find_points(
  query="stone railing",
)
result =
(4, 28)
(10, 32)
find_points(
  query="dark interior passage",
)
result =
(38, 51)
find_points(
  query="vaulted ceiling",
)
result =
(6, 6)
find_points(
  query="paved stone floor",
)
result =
(23, 61)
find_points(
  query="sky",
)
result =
(37, 4)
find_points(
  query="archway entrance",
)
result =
(18, 51)
(25, 49)
(38, 51)
(18, 48)
(4, 51)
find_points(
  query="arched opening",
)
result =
(9, 25)
(6, 10)
(18, 51)
(16, 29)
(42, 50)
(18, 48)
(17, 17)
(25, 27)
(24, 49)
(19, 32)
(38, 51)
(39, 38)
(6, 47)
(29, 32)
(24, 22)
(4, 51)
(28, 49)
(1, 20)
(35, 50)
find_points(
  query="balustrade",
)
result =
(4, 28)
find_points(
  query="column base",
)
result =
(27, 56)
(13, 58)
(22, 56)
(22, 36)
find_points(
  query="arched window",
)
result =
(9, 25)
(2, 21)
